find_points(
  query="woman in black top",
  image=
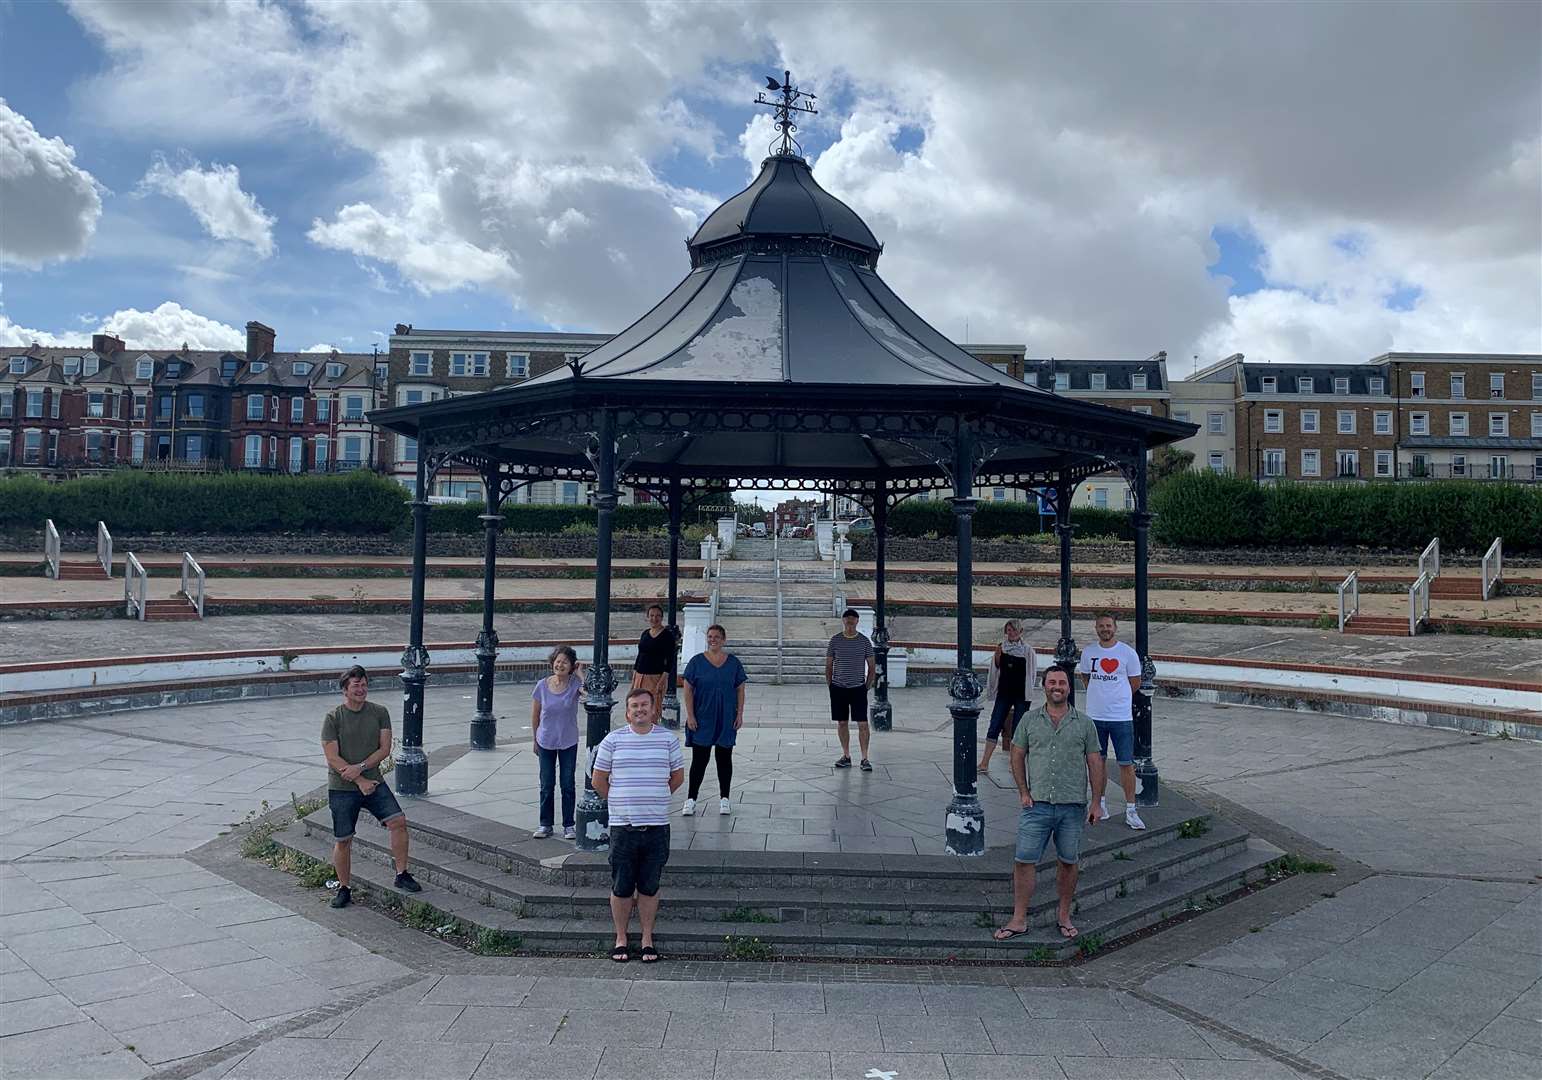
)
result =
(1011, 674)
(655, 650)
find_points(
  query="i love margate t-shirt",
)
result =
(1109, 672)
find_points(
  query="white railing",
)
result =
(776, 575)
(1349, 598)
(104, 547)
(51, 548)
(192, 573)
(135, 583)
(715, 569)
(1493, 568)
(1429, 559)
(1418, 603)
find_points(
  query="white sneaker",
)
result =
(723, 807)
(1102, 809)
(569, 833)
(542, 833)
(689, 809)
(1132, 819)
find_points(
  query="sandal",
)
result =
(1068, 931)
(1006, 933)
(621, 954)
(649, 955)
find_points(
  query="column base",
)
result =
(881, 714)
(593, 822)
(964, 829)
(484, 732)
(1147, 782)
(411, 772)
(669, 712)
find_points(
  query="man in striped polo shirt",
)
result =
(850, 670)
(637, 768)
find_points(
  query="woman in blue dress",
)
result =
(714, 712)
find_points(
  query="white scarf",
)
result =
(1018, 648)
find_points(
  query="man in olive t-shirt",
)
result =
(356, 738)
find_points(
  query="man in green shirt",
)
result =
(1054, 755)
(356, 738)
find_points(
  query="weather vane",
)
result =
(790, 103)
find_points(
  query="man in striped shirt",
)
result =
(637, 768)
(850, 670)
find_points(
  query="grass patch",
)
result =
(491, 942)
(747, 915)
(985, 921)
(1194, 828)
(1089, 944)
(421, 916)
(1041, 954)
(1290, 864)
(747, 948)
(1122, 856)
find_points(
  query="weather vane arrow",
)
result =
(792, 101)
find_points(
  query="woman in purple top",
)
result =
(554, 733)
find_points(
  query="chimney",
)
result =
(259, 340)
(106, 344)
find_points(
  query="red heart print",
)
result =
(1109, 664)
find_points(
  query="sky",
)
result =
(1296, 182)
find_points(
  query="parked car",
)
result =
(860, 525)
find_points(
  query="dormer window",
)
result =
(144, 369)
(72, 365)
(1268, 384)
(228, 367)
(1062, 380)
(334, 371)
(1099, 381)
(259, 366)
(1378, 387)
(1305, 385)
(173, 369)
(91, 364)
(1341, 386)
(1138, 381)
(300, 367)
(18, 365)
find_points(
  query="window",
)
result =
(5, 448)
(94, 447)
(353, 449)
(296, 454)
(323, 410)
(137, 448)
(72, 365)
(353, 407)
(479, 363)
(1458, 464)
(90, 364)
(1349, 463)
(1274, 463)
(1458, 423)
(1268, 384)
(999, 494)
(459, 362)
(1217, 461)
(1346, 421)
(254, 406)
(273, 412)
(1098, 381)
(1100, 498)
(1536, 386)
(96, 404)
(193, 448)
(1181, 414)
(1421, 465)
(421, 363)
(414, 397)
(1419, 423)
(139, 406)
(53, 403)
(300, 367)
(228, 367)
(1062, 380)
(1341, 385)
(1309, 421)
(297, 410)
(163, 448)
(144, 369)
(519, 365)
(1311, 463)
(163, 408)
(1499, 467)
(258, 366)
(31, 447)
(334, 371)
(1458, 386)
(1274, 421)
(18, 365)
(273, 450)
(195, 406)
(7, 401)
(1383, 422)
(34, 404)
(173, 369)
(253, 459)
(1304, 385)
(1496, 385)
(1416, 384)
(1536, 425)
(321, 451)
(1499, 424)
(409, 450)
(569, 493)
(1138, 381)
(1216, 422)
(382, 371)
(1384, 463)
(1378, 386)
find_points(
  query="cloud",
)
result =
(323, 348)
(22, 336)
(51, 205)
(215, 197)
(169, 326)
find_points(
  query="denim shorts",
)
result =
(1122, 735)
(346, 805)
(637, 857)
(1043, 820)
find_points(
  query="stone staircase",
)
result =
(178, 609)
(1456, 588)
(758, 549)
(487, 874)
(1377, 625)
(82, 571)
(803, 660)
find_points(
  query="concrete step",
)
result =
(74, 571)
(179, 609)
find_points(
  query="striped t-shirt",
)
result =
(639, 767)
(851, 655)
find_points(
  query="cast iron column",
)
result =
(670, 711)
(965, 824)
(1146, 779)
(484, 726)
(411, 762)
(883, 711)
(1066, 652)
(593, 816)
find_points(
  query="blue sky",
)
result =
(1103, 181)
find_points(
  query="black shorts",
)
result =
(848, 702)
(637, 857)
(347, 803)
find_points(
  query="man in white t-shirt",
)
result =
(1110, 678)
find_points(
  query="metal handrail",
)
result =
(776, 575)
(1431, 556)
(1493, 568)
(104, 547)
(1418, 603)
(51, 548)
(191, 568)
(1351, 586)
(715, 566)
(134, 605)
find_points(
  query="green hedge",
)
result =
(997, 519)
(1206, 509)
(466, 518)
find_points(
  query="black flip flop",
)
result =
(649, 955)
(1010, 933)
(621, 954)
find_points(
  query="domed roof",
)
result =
(784, 201)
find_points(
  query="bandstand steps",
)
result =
(488, 874)
(82, 571)
(1456, 589)
(177, 609)
(1377, 625)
